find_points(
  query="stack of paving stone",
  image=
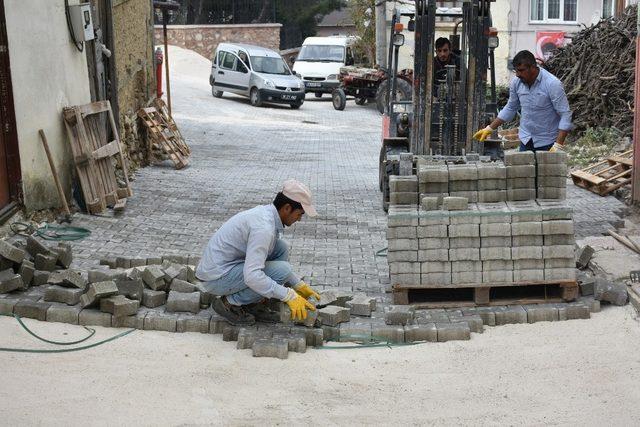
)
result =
(403, 190)
(552, 175)
(463, 181)
(433, 180)
(492, 182)
(521, 175)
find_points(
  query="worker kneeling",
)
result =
(246, 262)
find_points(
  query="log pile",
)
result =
(597, 69)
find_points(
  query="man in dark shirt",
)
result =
(444, 56)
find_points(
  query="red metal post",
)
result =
(635, 182)
(159, 59)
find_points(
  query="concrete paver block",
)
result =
(402, 256)
(132, 289)
(422, 332)
(402, 233)
(464, 254)
(526, 252)
(435, 278)
(277, 348)
(433, 243)
(433, 231)
(435, 267)
(471, 195)
(182, 286)
(528, 264)
(492, 171)
(389, 333)
(464, 230)
(495, 229)
(433, 255)
(517, 194)
(557, 227)
(26, 271)
(430, 203)
(403, 245)
(453, 331)
(492, 184)
(355, 332)
(135, 321)
(68, 278)
(577, 310)
(332, 315)
(69, 296)
(463, 172)
(528, 275)
(497, 265)
(455, 203)
(496, 253)
(551, 157)
(151, 298)
(526, 229)
(93, 317)
(159, 320)
(405, 279)
(558, 251)
(9, 281)
(516, 158)
(399, 315)
(10, 252)
(510, 314)
(495, 242)
(34, 247)
(404, 268)
(183, 301)
(63, 313)
(96, 291)
(64, 253)
(541, 313)
(527, 240)
(464, 242)
(583, 256)
(45, 262)
(31, 309)
(457, 186)
(362, 305)
(611, 292)
(520, 171)
(403, 184)
(557, 169)
(496, 276)
(559, 239)
(153, 277)
(194, 322)
(119, 306)
(519, 183)
(404, 198)
(552, 193)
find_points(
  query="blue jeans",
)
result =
(232, 284)
(529, 147)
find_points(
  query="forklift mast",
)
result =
(446, 112)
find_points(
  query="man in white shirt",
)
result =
(246, 262)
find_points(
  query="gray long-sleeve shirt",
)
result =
(248, 237)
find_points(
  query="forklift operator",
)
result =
(444, 56)
(545, 115)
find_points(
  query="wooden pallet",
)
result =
(606, 176)
(469, 295)
(92, 153)
(163, 140)
(162, 108)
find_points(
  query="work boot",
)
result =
(234, 314)
(263, 313)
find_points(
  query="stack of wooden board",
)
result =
(164, 138)
(608, 175)
(92, 152)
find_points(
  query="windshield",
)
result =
(268, 65)
(321, 53)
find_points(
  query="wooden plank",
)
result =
(120, 205)
(593, 179)
(93, 108)
(400, 296)
(490, 285)
(123, 163)
(622, 160)
(481, 295)
(108, 150)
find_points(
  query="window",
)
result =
(607, 8)
(228, 61)
(555, 10)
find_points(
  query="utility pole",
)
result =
(635, 178)
(165, 7)
(381, 33)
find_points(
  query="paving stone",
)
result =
(551, 157)
(433, 243)
(159, 320)
(520, 171)
(518, 194)
(332, 333)
(402, 256)
(277, 348)
(611, 292)
(403, 245)
(458, 186)
(541, 313)
(182, 286)
(152, 299)
(526, 229)
(559, 240)
(557, 227)
(399, 315)
(31, 309)
(194, 322)
(34, 247)
(528, 275)
(388, 333)
(463, 172)
(68, 278)
(552, 181)
(6, 305)
(583, 256)
(314, 336)
(333, 297)
(154, 278)
(510, 314)
(123, 262)
(464, 230)
(26, 271)
(552, 193)
(333, 315)
(527, 241)
(464, 254)
(495, 230)
(474, 322)
(519, 158)
(285, 316)
(493, 276)
(496, 242)
(230, 333)
(10, 252)
(587, 286)
(119, 306)
(137, 262)
(154, 260)
(93, 317)
(135, 321)
(102, 276)
(578, 310)
(63, 313)
(404, 198)
(399, 184)
(355, 332)
(453, 331)
(362, 305)
(559, 273)
(422, 332)
(45, 262)
(404, 268)
(296, 342)
(497, 265)
(558, 251)
(432, 231)
(526, 252)
(109, 261)
(497, 253)
(402, 233)
(455, 203)
(69, 296)
(559, 263)
(132, 289)
(247, 336)
(40, 278)
(429, 203)
(404, 279)
(492, 171)
(64, 253)
(9, 281)
(492, 184)
(487, 314)
(437, 255)
(400, 216)
(96, 291)
(217, 324)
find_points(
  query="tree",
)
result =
(363, 15)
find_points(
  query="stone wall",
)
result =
(204, 39)
(133, 39)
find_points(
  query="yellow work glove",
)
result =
(556, 148)
(483, 134)
(298, 305)
(305, 291)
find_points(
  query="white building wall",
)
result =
(48, 73)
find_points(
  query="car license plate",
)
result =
(289, 97)
(312, 84)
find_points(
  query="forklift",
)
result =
(443, 114)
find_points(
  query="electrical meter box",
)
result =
(80, 16)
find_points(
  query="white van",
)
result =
(256, 72)
(319, 62)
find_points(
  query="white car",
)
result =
(256, 72)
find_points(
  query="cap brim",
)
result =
(309, 210)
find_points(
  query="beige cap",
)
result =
(299, 192)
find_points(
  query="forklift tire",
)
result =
(388, 168)
(404, 92)
(361, 101)
(216, 93)
(339, 99)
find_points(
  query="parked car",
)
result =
(320, 60)
(255, 72)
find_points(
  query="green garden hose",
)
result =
(50, 232)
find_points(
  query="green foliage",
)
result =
(593, 146)
(304, 14)
(363, 11)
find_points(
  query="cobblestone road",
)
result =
(241, 155)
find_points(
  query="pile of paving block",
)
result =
(522, 176)
(480, 243)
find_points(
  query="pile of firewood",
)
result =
(597, 69)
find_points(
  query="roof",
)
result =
(329, 41)
(252, 50)
(337, 18)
